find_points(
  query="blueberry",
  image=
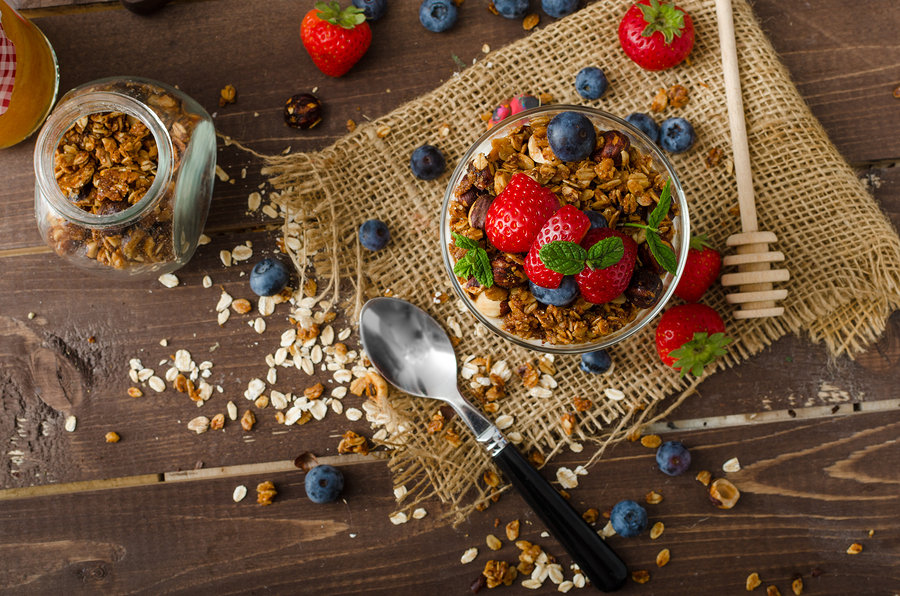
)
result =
(373, 9)
(598, 220)
(511, 9)
(324, 483)
(269, 277)
(559, 8)
(676, 135)
(561, 296)
(673, 458)
(598, 363)
(628, 519)
(572, 136)
(437, 15)
(427, 162)
(591, 82)
(374, 235)
(645, 124)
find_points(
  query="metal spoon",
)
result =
(413, 353)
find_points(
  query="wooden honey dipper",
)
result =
(755, 275)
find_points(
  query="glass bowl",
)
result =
(604, 122)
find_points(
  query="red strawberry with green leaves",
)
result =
(518, 214)
(700, 271)
(602, 280)
(656, 34)
(567, 225)
(335, 39)
(690, 336)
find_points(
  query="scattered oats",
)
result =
(30, 315)
(531, 584)
(168, 280)
(254, 389)
(399, 518)
(280, 356)
(657, 530)
(651, 441)
(469, 556)
(205, 365)
(225, 255)
(270, 211)
(419, 513)
(292, 416)
(608, 530)
(504, 421)
(232, 410)
(353, 414)
(565, 586)
(486, 48)
(183, 360)
(279, 401)
(337, 407)
(172, 374)
(316, 354)
(576, 447)
(266, 305)
(135, 364)
(70, 423)
(199, 425)
(662, 558)
(144, 374)
(579, 580)
(288, 338)
(205, 390)
(468, 370)
(380, 435)
(704, 477)
(515, 437)
(614, 394)
(157, 384)
(556, 574)
(854, 549)
(344, 334)
(241, 252)
(548, 382)
(343, 376)
(222, 317)
(400, 492)
(318, 409)
(259, 325)
(483, 381)
(254, 200)
(223, 176)
(225, 301)
(207, 281)
(339, 392)
(204, 239)
(240, 492)
(567, 478)
(539, 392)
(581, 471)
(261, 402)
(307, 366)
(732, 465)
(493, 542)
(327, 336)
(383, 131)
(272, 376)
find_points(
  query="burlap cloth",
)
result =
(843, 254)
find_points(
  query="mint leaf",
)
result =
(662, 207)
(664, 255)
(563, 257)
(606, 253)
(465, 267)
(483, 271)
(464, 242)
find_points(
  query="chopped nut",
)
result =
(753, 582)
(218, 422)
(383, 131)
(678, 96)
(651, 441)
(493, 542)
(248, 420)
(797, 586)
(353, 443)
(662, 558)
(351, 125)
(591, 515)
(724, 494)
(713, 157)
(657, 530)
(241, 306)
(773, 591)
(113, 437)
(732, 465)
(582, 404)
(227, 95)
(265, 492)
(135, 392)
(495, 571)
(512, 529)
(641, 576)
(567, 421)
(491, 478)
(313, 392)
(654, 497)
(531, 21)
(704, 477)
(854, 549)
(660, 101)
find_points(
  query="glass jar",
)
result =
(125, 170)
(28, 77)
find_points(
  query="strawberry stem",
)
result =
(347, 18)
(662, 17)
(703, 349)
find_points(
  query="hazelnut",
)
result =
(645, 288)
(478, 211)
(468, 197)
(614, 143)
(724, 494)
(303, 110)
(491, 308)
(507, 273)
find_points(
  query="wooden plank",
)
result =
(809, 490)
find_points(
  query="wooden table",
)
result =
(153, 514)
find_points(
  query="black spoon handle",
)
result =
(597, 560)
(143, 7)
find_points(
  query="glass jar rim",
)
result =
(62, 118)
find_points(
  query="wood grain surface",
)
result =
(135, 518)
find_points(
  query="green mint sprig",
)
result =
(474, 263)
(570, 258)
(664, 255)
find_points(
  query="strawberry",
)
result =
(335, 39)
(518, 214)
(602, 285)
(656, 34)
(690, 336)
(568, 225)
(700, 270)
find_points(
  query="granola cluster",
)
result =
(618, 181)
(105, 163)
